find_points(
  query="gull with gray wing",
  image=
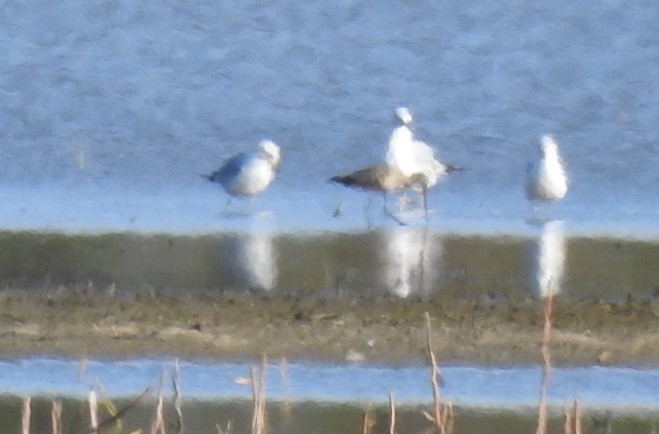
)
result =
(249, 173)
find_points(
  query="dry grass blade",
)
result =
(82, 367)
(546, 363)
(567, 426)
(392, 413)
(429, 417)
(93, 411)
(442, 415)
(119, 414)
(56, 417)
(258, 380)
(578, 417)
(158, 424)
(27, 414)
(449, 421)
(574, 418)
(178, 397)
(226, 430)
(283, 374)
(367, 423)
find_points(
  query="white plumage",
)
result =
(546, 179)
(412, 156)
(248, 174)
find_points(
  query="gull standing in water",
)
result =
(414, 157)
(248, 174)
(546, 179)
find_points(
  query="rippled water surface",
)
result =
(510, 387)
(399, 261)
(332, 398)
(110, 111)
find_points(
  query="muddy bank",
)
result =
(230, 326)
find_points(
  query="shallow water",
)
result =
(202, 417)
(110, 111)
(332, 398)
(398, 261)
(309, 417)
(619, 389)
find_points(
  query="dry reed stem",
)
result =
(119, 414)
(574, 418)
(578, 416)
(258, 379)
(442, 413)
(546, 363)
(107, 402)
(93, 411)
(56, 417)
(158, 424)
(567, 426)
(392, 412)
(82, 367)
(367, 423)
(283, 375)
(27, 414)
(226, 430)
(178, 397)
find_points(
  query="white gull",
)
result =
(546, 179)
(412, 156)
(249, 173)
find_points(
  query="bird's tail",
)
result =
(450, 168)
(344, 180)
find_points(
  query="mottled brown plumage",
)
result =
(383, 178)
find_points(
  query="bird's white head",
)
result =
(272, 150)
(405, 115)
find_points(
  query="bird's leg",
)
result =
(367, 212)
(388, 212)
(403, 201)
(424, 193)
(226, 206)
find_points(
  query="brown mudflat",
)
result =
(227, 326)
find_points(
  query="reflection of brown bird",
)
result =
(382, 178)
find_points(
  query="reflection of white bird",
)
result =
(258, 260)
(546, 178)
(413, 156)
(248, 174)
(550, 257)
(411, 260)
(249, 259)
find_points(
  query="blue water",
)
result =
(620, 389)
(109, 111)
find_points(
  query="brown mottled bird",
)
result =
(381, 178)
